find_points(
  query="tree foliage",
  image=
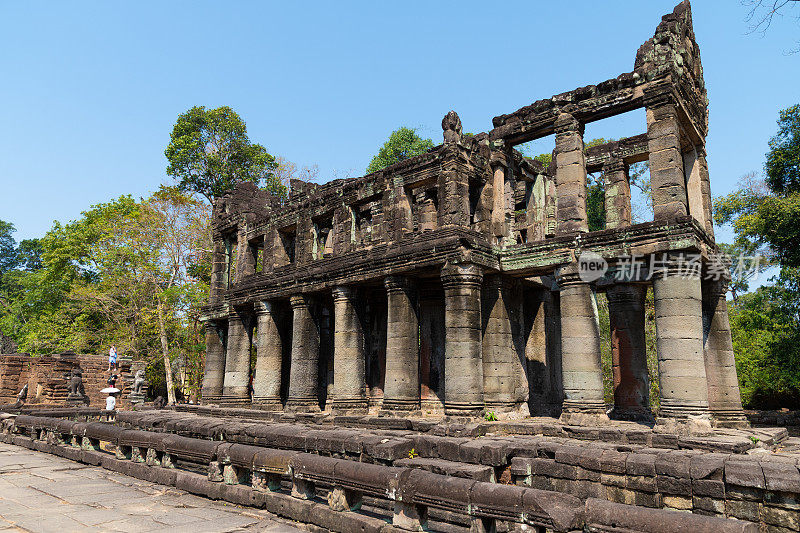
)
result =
(403, 143)
(765, 324)
(209, 153)
(120, 274)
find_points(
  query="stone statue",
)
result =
(75, 384)
(139, 382)
(451, 126)
(21, 397)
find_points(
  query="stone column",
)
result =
(580, 352)
(705, 185)
(667, 179)
(214, 372)
(349, 379)
(218, 267)
(463, 356)
(617, 194)
(269, 357)
(629, 352)
(304, 370)
(499, 165)
(679, 343)
(570, 176)
(237, 360)
(724, 398)
(401, 389)
(503, 371)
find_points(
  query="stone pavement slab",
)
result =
(43, 493)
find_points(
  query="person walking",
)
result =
(112, 358)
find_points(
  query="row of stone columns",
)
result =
(696, 368)
(228, 360)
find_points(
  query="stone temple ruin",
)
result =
(450, 283)
(454, 283)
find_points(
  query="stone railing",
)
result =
(297, 484)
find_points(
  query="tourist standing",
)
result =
(112, 358)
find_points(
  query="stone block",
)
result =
(744, 473)
(743, 510)
(781, 477)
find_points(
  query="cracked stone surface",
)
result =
(43, 493)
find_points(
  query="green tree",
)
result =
(403, 143)
(209, 153)
(29, 254)
(8, 255)
(765, 324)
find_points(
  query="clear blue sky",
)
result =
(89, 91)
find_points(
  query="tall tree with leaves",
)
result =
(765, 324)
(209, 153)
(403, 143)
(8, 254)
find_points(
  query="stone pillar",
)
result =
(666, 162)
(269, 357)
(218, 269)
(503, 371)
(679, 343)
(724, 398)
(304, 370)
(463, 357)
(235, 389)
(214, 372)
(570, 176)
(705, 185)
(580, 352)
(349, 379)
(629, 352)
(617, 194)
(536, 352)
(499, 170)
(401, 390)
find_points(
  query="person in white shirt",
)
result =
(111, 402)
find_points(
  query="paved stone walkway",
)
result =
(43, 493)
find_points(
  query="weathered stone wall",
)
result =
(47, 376)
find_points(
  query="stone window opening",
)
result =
(256, 249)
(230, 260)
(475, 188)
(322, 245)
(288, 239)
(426, 207)
(361, 224)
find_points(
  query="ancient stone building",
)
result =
(451, 283)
